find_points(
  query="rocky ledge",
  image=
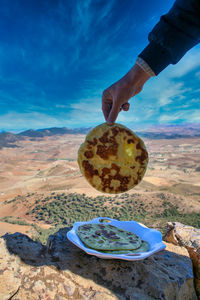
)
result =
(60, 270)
(188, 237)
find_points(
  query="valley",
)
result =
(46, 168)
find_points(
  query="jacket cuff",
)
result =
(157, 57)
(142, 64)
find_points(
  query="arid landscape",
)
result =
(37, 170)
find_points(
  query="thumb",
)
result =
(113, 113)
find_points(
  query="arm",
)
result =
(176, 33)
(115, 98)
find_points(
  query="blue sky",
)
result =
(57, 57)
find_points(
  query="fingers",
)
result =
(113, 113)
(111, 107)
(106, 103)
(126, 106)
(106, 107)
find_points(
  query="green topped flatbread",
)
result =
(107, 237)
(143, 248)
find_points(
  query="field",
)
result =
(41, 188)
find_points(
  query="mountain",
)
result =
(53, 131)
(171, 131)
(7, 139)
(154, 132)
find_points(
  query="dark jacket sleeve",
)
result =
(176, 33)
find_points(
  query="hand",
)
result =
(115, 98)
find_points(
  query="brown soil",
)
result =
(49, 165)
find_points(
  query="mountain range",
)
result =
(53, 131)
(8, 139)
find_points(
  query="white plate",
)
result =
(152, 236)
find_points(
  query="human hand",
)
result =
(115, 98)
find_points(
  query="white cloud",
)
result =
(195, 117)
(169, 87)
(195, 100)
(92, 105)
(162, 91)
(127, 117)
(189, 62)
(198, 75)
(34, 120)
(173, 90)
(149, 112)
(190, 116)
(62, 106)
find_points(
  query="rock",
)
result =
(188, 237)
(177, 249)
(184, 235)
(62, 271)
(9, 266)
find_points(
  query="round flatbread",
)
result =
(107, 237)
(143, 248)
(113, 159)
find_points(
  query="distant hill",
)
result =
(53, 131)
(159, 135)
(171, 131)
(8, 139)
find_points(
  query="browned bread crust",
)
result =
(113, 159)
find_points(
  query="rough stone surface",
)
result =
(184, 235)
(60, 270)
(188, 237)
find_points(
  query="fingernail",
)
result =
(109, 122)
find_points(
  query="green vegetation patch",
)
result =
(62, 210)
(13, 220)
(67, 209)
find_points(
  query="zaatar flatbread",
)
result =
(143, 248)
(113, 159)
(107, 237)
